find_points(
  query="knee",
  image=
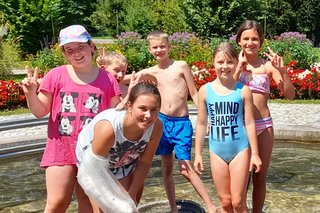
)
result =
(57, 205)
(226, 203)
(238, 204)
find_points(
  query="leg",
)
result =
(167, 174)
(84, 205)
(265, 140)
(95, 206)
(139, 194)
(60, 181)
(221, 178)
(239, 173)
(187, 171)
(127, 181)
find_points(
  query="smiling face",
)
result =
(250, 41)
(159, 48)
(79, 54)
(224, 65)
(118, 70)
(144, 110)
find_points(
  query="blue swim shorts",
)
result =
(177, 136)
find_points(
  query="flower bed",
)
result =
(11, 95)
(306, 82)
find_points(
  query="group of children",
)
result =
(84, 130)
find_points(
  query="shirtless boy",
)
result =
(175, 83)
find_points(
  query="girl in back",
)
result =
(227, 105)
(257, 75)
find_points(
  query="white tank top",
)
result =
(125, 153)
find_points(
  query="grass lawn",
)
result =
(282, 101)
(14, 112)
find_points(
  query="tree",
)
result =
(169, 16)
(108, 17)
(33, 22)
(209, 18)
(279, 16)
(138, 17)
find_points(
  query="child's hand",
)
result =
(276, 60)
(102, 51)
(101, 62)
(30, 83)
(242, 60)
(242, 65)
(255, 163)
(135, 78)
(198, 164)
(208, 129)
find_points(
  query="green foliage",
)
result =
(215, 41)
(279, 16)
(134, 49)
(22, 110)
(138, 17)
(212, 18)
(169, 16)
(191, 51)
(298, 15)
(35, 23)
(294, 50)
(47, 59)
(108, 17)
(9, 58)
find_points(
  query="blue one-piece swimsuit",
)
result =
(227, 136)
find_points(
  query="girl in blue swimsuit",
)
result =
(227, 105)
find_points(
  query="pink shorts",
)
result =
(263, 124)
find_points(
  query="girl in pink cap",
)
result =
(73, 94)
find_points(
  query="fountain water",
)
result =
(292, 184)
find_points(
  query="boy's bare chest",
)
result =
(169, 77)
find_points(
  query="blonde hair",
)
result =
(108, 58)
(227, 49)
(158, 35)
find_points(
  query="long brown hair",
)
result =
(247, 25)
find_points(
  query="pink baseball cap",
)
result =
(73, 33)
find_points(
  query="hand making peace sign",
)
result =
(276, 60)
(30, 83)
(102, 51)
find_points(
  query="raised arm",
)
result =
(242, 62)
(201, 128)
(280, 74)
(39, 104)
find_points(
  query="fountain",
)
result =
(292, 184)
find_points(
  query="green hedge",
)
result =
(191, 50)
